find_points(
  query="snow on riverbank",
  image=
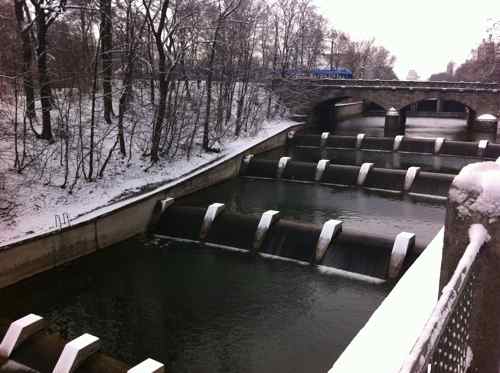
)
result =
(37, 204)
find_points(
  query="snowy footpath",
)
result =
(37, 204)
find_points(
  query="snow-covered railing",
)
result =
(463, 332)
(445, 342)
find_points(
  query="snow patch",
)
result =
(487, 117)
(468, 358)
(477, 189)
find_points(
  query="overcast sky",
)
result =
(423, 34)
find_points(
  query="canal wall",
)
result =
(24, 258)
(349, 110)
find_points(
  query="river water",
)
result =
(199, 309)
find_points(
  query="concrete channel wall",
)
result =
(349, 110)
(27, 257)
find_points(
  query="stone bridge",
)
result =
(316, 98)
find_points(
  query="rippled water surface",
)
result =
(200, 310)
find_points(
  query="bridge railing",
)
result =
(463, 332)
(445, 344)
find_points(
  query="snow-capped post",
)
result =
(474, 199)
(393, 125)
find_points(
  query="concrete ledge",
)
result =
(40, 252)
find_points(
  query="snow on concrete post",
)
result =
(474, 198)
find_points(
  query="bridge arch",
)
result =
(473, 103)
(325, 114)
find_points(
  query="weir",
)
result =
(279, 213)
(330, 244)
(480, 149)
(411, 181)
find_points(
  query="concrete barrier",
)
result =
(24, 258)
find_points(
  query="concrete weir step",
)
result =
(270, 235)
(27, 347)
(410, 181)
(400, 143)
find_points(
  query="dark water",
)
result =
(199, 310)
(369, 211)
(451, 129)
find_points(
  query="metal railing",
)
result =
(445, 344)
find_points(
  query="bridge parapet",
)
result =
(398, 84)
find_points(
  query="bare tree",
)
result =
(106, 36)
(224, 10)
(46, 12)
(23, 29)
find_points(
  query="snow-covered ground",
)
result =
(53, 179)
(37, 203)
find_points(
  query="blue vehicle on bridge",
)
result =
(335, 73)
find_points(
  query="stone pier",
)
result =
(484, 123)
(394, 123)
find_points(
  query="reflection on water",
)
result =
(200, 310)
(451, 129)
(369, 211)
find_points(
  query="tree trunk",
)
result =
(106, 58)
(206, 123)
(43, 74)
(27, 58)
